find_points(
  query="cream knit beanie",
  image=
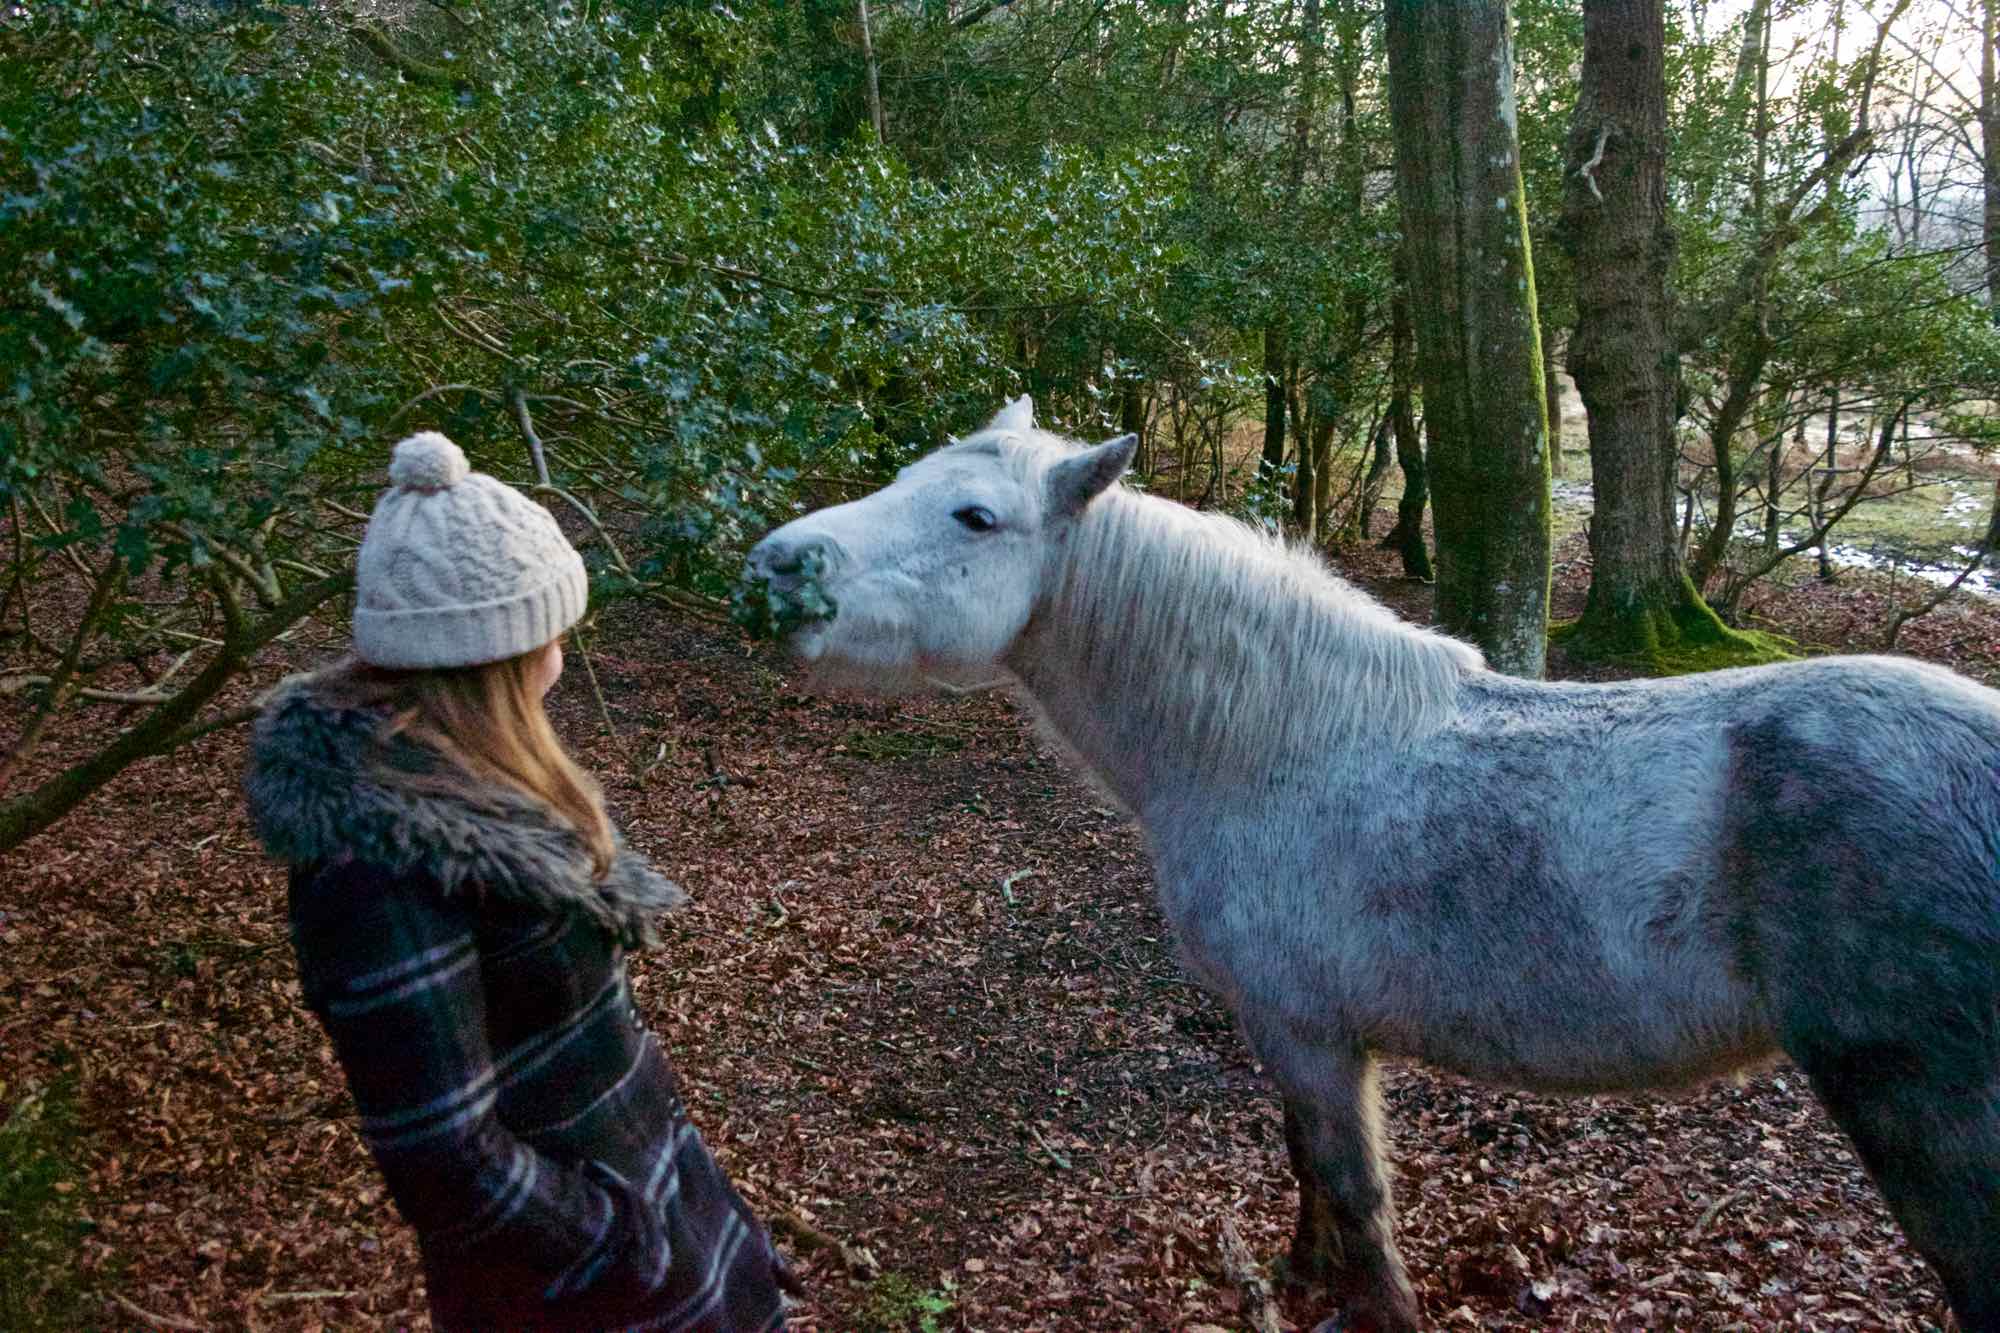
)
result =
(457, 568)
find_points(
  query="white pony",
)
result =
(1367, 842)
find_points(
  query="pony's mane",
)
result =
(1246, 645)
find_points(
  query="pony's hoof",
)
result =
(1302, 1268)
(1358, 1321)
(1288, 1272)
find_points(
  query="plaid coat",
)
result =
(470, 972)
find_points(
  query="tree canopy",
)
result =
(656, 260)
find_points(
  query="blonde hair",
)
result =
(487, 724)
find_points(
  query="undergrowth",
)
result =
(895, 1304)
(40, 1221)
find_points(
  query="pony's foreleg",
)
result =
(1346, 1219)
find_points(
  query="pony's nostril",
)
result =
(771, 556)
(787, 562)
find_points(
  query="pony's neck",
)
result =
(1170, 646)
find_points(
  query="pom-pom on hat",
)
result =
(427, 461)
(458, 568)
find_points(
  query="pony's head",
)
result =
(934, 576)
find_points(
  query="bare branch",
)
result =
(61, 683)
(978, 12)
(589, 516)
(434, 391)
(167, 726)
(1260, 1303)
(519, 398)
(379, 44)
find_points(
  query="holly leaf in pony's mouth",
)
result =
(768, 611)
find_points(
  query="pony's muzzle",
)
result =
(787, 563)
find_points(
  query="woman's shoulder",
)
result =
(307, 764)
(321, 794)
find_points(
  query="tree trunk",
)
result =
(1320, 438)
(1472, 289)
(1749, 355)
(1132, 421)
(1305, 518)
(1748, 347)
(1408, 534)
(1552, 402)
(1989, 146)
(1273, 460)
(1303, 512)
(1622, 353)
(1826, 482)
(1774, 484)
(1379, 461)
(874, 78)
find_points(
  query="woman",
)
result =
(461, 908)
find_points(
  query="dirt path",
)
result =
(924, 1005)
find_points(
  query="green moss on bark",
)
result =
(1675, 640)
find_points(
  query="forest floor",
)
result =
(924, 1006)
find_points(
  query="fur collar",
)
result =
(314, 799)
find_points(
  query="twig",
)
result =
(808, 1239)
(604, 710)
(704, 608)
(15, 684)
(67, 551)
(584, 511)
(383, 48)
(278, 1297)
(433, 392)
(1261, 1304)
(1904, 615)
(850, 483)
(262, 581)
(1049, 1151)
(1708, 1214)
(194, 731)
(519, 398)
(963, 691)
(1596, 158)
(478, 338)
(1007, 884)
(157, 1320)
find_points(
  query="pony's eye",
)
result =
(976, 517)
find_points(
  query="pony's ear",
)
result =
(1017, 416)
(1082, 477)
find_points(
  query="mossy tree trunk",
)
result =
(1622, 250)
(1641, 601)
(1472, 290)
